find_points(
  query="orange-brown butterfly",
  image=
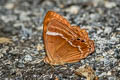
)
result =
(64, 43)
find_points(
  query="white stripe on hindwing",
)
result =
(53, 33)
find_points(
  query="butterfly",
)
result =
(64, 43)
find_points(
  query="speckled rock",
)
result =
(21, 21)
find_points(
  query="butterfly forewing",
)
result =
(52, 15)
(57, 42)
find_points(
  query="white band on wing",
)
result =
(58, 34)
(53, 33)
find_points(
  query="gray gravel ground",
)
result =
(21, 21)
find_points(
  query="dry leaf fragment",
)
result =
(4, 40)
(87, 72)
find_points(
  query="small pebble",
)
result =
(109, 73)
(99, 31)
(102, 74)
(111, 78)
(110, 4)
(73, 9)
(1, 55)
(94, 17)
(107, 30)
(10, 5)
(28, 58)
(39, 47)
